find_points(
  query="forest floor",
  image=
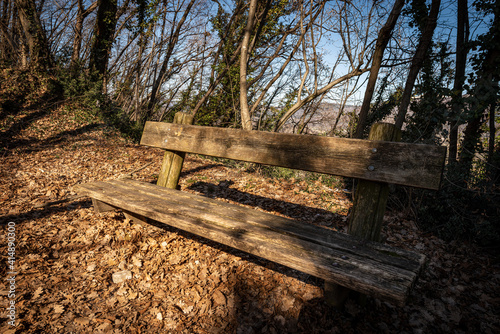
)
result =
(66, 254)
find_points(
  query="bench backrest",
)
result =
(414, 165)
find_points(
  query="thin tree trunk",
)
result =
(491, 142)
(174, 37)
(485, 94)
(77, 42)
(23, 52)
(417, 61)
(103, 37)
(461, 60)
(39, 54)
(7, 42)
(217, 80)
(383, 38)
(246, 121)
(138, 68)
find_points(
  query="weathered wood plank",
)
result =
(370, 200)
(373, 276)
(400, 258)
(399, 163)
(367, 214)
(172, 160)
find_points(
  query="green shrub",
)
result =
(277, 172)
(462, 210)
(86, 95)
(78, 86)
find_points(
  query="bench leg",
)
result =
(367, 215)
(101, 206)
(136, 218)
(335, 295)
(104, 207)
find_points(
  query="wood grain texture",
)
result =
(172, 160)
(399, 163)
(370, 200)
(367, 213)
(136, 218)
(371, 268)
(101, 207)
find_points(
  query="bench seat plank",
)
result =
(404, 259)
(414, 165)
(371, 268)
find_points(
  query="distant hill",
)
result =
(323, 120)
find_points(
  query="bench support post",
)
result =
(367, 214)
(172, 161)
(136, 218)
(101, 206)
(370, 198)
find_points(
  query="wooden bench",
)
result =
(348, 260)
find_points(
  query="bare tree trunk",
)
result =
(246, 121)
(7, 43)
(461, 60)
(355, 69)
(418, 59)
(346, 94)
(77, 42)
(473, 130)
(39, 54)
(174, 37)
(383, 38)
(103, 37)
(23, 48)
(485, 93)
(217, 80)
(493, 130)
(138, 67)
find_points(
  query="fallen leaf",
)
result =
(219, 298)
(58, 309)
(37, 292)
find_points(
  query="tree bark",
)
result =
(39, 54)
(417, 61)
(493, 130)
(77, 41)
(461, 60)
(485, 93)
(174, 37)
(103, 37)
(8, 48)
(246, 121)
(367, 214)
(172, 161)
(138, 67)
(383, 38)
